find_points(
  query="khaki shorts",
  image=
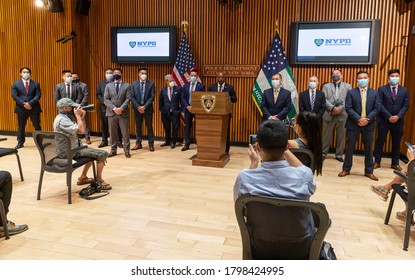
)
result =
(99, 155)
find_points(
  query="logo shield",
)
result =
(132, 44)
(318, 42)
(208, 102)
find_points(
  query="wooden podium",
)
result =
(212, 111)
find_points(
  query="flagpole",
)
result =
(277, 27)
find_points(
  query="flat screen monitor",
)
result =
(143, 44)
(335, 42)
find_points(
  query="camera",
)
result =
(252, 139)
(288, 122)
(88, 108)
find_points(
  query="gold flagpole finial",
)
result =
(277, 27)
(185, 23)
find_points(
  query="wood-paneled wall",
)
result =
(231, 34)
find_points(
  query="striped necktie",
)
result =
(313, 99)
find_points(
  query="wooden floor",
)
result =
(161, 207)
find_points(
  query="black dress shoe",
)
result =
(165, 144)
(19, 145)
(103, 144)
(120, 145)
(113, 153)
(172, 146)
(339, 159)
(127, 155)
(185, 148)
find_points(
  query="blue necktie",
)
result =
(142, 92)
(313, 99)
(117, 87)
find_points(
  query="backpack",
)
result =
(93, 188)
(327, 252)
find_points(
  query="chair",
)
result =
(274, 228)
(306, 156)
(3, 218)
(408, 198)
(11, 151)
(46, 145)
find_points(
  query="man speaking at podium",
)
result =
(221, 86)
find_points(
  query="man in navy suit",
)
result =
(26, 93)
(276, 101)
(186, 101)
(395, 103)
(313, 100)
(362, 107)
(169, 106)
(142, 99)
(221, 86)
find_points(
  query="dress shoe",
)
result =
(13, 228)
(344, 173)
(120, 145)
(377, 165)
(151, 148)
(127, 155)
(185, 148)
(19, 145)
(165, 144)
(103, 144)
(371, 176)
(339, 159)
(88, 141)
(137, 147)
(172, 146)
(112, 153)
(396, 167)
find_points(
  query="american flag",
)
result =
(184, 63)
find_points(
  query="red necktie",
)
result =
(394, 95)
(27, 87)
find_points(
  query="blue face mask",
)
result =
(26, 76)
(193, 79)
(363, 82)
(275, 83)
(394, 80)
(68, 80)
(312, 85)
(108, 76)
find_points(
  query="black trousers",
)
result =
(188, 120)
(22, 120)
(6, 190)
(396, 131)
(171, 121)
(148, 118)
(367, 138)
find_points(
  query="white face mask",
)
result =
(68, 80)
(193, 79)
(143, 77)
(171, 84)
(275, 83)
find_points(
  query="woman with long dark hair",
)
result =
(307, 126)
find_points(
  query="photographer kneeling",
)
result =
(70, 128)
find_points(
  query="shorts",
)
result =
(99, 155)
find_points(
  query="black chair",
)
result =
(46, 144)
(11, 151)
(408, 197)
(274, 228)
(3, 218)
(306, 156)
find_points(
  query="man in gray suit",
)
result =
(84, 91)
(335, 115)
(117, 97)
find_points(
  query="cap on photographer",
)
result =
(71, 128)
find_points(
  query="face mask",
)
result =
(193, 79)
(116, 77)
(26, 76)
(171, 84)
(312, 84)
(275, 83)
(394, 80)
(336, 78)
(75, 81)
(68, 80)
(108, 76)
(143, 77)
(363, 82)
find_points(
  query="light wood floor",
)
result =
(161, 207)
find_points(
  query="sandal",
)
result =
(84, 181)
(381, 191)
(105, 186)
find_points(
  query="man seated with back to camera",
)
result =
(65, 125)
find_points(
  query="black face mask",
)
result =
(117, 77)
(75, 81)
(336, 78)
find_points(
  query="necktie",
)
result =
(336, 95)
(313, 99)
(143, 87)
(220, 88)
(275, 96)
(27, 87)
(363, 93)
(117, 87)
(394, 94)
(192, 89)
(69, 91)
(169, 90)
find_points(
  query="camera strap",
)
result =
(95, 195)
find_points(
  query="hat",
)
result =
(67, 102)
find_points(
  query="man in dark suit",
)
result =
(26, 93)
(117, 97)
(142, 99)
(169, 106)
(395, 103)
(313, 100)
(68, 89)
(362, 107)
(83, 88)
(186, 101)
(276, 101)
(221, 86)
(103, 110)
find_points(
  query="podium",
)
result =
(212, 111)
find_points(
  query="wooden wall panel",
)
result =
(231, 34)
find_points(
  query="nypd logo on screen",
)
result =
(332, 42)
(143, 44)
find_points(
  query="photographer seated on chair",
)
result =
(6, 187)
(65, 125)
